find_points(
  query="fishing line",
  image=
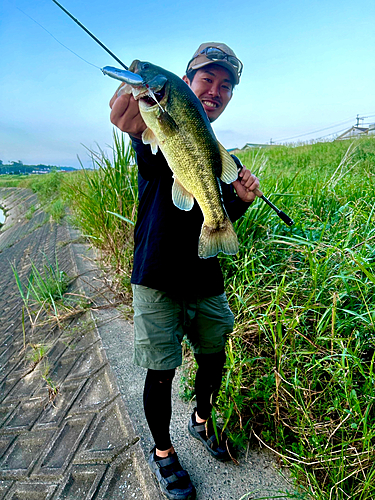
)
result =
(58, 41)
(90, 34)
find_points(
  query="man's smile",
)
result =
(210, 104)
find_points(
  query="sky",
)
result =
(309, 68)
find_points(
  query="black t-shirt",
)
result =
(166, 238)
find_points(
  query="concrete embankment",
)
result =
(91, 441)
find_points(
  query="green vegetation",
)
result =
(10, 180)
(49, 190)
(46, 297)
(29, 214)
(300, 363)
(104, 204)
(47, 186)
(17, 168)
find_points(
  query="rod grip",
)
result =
(285, 218)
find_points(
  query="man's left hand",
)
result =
(245, 185)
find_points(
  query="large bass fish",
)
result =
(178, 125)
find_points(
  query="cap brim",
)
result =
(224, 63)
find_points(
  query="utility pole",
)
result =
(358, 118)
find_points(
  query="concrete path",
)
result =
(90, 442)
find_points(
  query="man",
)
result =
(175, 292)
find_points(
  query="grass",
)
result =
(46, 300)
(104, 204)
(45, 295)
(11, 180)
(300, 364)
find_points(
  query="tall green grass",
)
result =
(300, 363)
(104, 203)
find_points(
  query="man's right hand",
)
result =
(125, 114)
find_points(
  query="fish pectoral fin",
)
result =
(148, 137)
(181, 196)
(229, 171)
(169, 126)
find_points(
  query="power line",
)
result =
(315, 131)
(332, 133)
(322, 129)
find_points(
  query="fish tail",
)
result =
(217, 239)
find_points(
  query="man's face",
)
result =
(213, 87)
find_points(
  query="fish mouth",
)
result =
(149, 99)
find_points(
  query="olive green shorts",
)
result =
(161, 321)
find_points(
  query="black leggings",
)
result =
(157, 395)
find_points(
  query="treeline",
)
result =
(18, 168)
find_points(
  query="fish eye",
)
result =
(145, 65)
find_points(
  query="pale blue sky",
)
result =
(307, 66)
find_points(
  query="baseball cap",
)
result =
(217, 53)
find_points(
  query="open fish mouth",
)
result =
(149, 100)
(153, 92)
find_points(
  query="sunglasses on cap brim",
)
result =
(215, 54)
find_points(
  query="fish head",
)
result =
(155, 81)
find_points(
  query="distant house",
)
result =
(251, 145)
(248, 145)
(357, 131)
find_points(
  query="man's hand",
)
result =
(245, 185)
(125, 114)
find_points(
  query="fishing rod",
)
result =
(114, 73)
(285, 218)
(91, 34)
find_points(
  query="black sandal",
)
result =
(174, 482)
(202, 432)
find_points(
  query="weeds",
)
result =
(30, 212)
(34, 356)
(104, 204)
(48, 189)
(57, 210)
(45, 299)
(47, 186)
(53, 389)
(300, 363)
(45, 295)
(300, 376)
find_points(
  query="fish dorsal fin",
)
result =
(148, 137)
(229, 171)
(181, 197)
